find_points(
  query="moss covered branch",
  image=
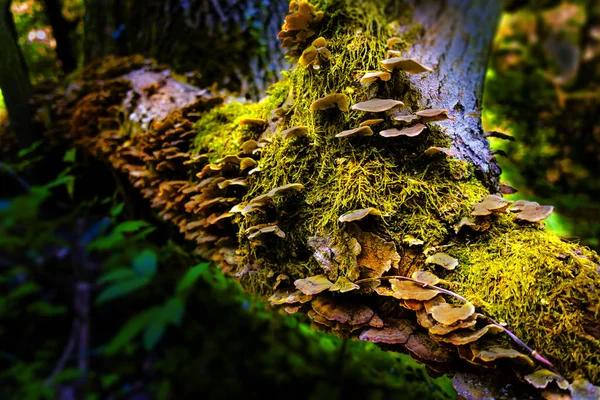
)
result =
(343, 177)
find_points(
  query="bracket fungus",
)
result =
(357, 215)
(338, 100)
(342, 311)
(257, 230)
(411, 131)
(440, 151)
(360, 131)
(531, 211)
(343, 285)
(448, 314)
(543, 377)
(406, 119)
(404, 64)
(407, 290)
(373, 76)
(288, 296)
(294, 131)
(433, 115)
(370, 122)
(491, 204)
(398, 333)
(443, 260)
(377, 105)
(313, 285)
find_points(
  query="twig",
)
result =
(21, 181)
(423, 284)
(514, 337)
(60, 365)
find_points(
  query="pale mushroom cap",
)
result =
(373, 76)
(361, 130)
(411, 131)
(377, 105)
(404, 64)
(338, 100)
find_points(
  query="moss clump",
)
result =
(538, 284)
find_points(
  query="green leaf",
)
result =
(191, 276)
(70, 155)
(23, 290)
(121, 288)
(63, 180)
(145, 263)
(30, 149)
(107, 242)
(46, 309)
(173, 310)
(130, 330)
(117, 209)
(155, 330)
(118, 274)
(130, 226)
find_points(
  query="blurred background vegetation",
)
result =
(162, 324)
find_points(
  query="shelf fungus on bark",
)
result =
(342, 311)
(360, 131)
(405, 118)
(357, 215)
(255, 231)
(397, 333)
(543, 377)
(411, 131)
(299, 25)
(404, 64)
(288, 296)
(407, 290)
(448, 314)
(433, 115)
(530, 211)
(433, 151)
(467, 222)
(492, 204)
(313, 284)
(377, 105)
(412, 241)
(333, 100)
(343, 285)
(371, 122)
(373, 76)
(443, 260)
(254, 123)
(425, 277)
(294, 131)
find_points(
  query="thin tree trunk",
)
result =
(14, 80)
(61, 30)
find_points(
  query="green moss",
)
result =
(538, 284)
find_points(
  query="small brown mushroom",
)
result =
(421, 345)
(343, 285)
(448, 314)
(543, 377)
(338, 100)
(411, 291)
(434, 114)
(411, 131)
(342, 312)
(360, 131)
(425, 277)
(370, 122)
(443, 260)
(294, 131)
(373, 76)
(313, 285)
(404, 64)
(257, 230)
(377, 105)
(396, 334)
(308, 56)
(288, 296)
(533, 212)
(463, 337)
(359, 214)
(257, 123)
(440, 150)
(391, 42)
(407, 119)
(319, 42)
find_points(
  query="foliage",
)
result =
(158, 327)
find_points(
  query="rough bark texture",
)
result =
(232, 43)
(463, 32)
(14, 81)
(323, 224)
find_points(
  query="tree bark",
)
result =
(337, 227)
(61, 30)
(232, 43)
(14, 81)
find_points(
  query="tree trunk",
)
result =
(291, 198)
(232, 43)
(62, 31)
(14, 81)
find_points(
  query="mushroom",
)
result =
(359, 214)
(434, 114)
(313, 285)
(377, 105)
(411, 131)
(343, 285)
(288, 296)
(448, 314)
(373, 76)
(395, 334)
(411, 291)
(404, 64)
(338, 100)
(294, 131)
(360, 131)
(443, 260)
(533, 212)
(370, 122)
(440, 151)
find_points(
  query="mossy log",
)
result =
(392, 238)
